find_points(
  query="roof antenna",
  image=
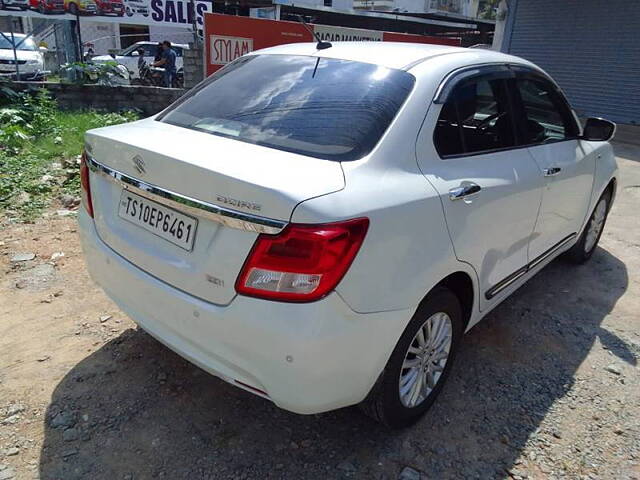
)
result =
(321, 45)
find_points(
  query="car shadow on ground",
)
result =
(137, 410)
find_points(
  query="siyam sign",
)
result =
(228, 37)
(168, 13)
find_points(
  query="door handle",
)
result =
(550, 172)
(464, 191)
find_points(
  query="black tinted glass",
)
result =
(546, 116)
(324, 108)
(474, 119)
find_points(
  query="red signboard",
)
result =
(228, 37)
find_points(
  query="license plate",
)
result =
(162, 221)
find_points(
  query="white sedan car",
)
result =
(320, 227)
(129, 56)
(29, 57)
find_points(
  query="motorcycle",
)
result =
(154, 76)
(149, 75)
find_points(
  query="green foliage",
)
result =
(39, 147)
(106, 73)
(7, 94)
(41, 109)
(487, 9)
(14, 129)
(29, 116)
(20, 185)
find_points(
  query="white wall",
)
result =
(468, 8)
(339, 4)
(159, 33)
(104, 36)
(412, 6)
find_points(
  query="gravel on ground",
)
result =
(546, 387)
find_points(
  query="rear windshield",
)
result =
(319, 107)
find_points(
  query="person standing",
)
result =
(168, 62)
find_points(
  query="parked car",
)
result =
(30, 58)
(320, 227)
(129, 56)
(110, 7)
(75, 7)
(47, 6)
(136, 7)
(20, 4)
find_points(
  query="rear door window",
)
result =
(326, 108)
(475, 118)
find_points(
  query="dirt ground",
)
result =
(546, 387)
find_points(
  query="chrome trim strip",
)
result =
(551, 251)
(228, 218)
(504, 283)
(501, 285)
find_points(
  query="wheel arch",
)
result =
(462, 286)
(612, 188)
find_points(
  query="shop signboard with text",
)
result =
(228, 37)
(167, 13)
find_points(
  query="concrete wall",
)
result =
(193, 66)
(148, 100)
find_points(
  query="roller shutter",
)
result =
(590, 47)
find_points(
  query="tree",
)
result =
(487, 9)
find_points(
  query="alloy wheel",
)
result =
(596, 223)
(425, 359)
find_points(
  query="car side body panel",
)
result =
(407, 239)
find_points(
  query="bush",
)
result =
(27, 117)
(39, 146)
(108, 73)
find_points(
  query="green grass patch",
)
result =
(39, 147)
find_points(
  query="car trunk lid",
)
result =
(248, 188)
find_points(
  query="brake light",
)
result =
(85, 186)
(302, 263)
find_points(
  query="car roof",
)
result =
(393, 54)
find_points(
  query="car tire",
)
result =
(395, 400)
(588, 241)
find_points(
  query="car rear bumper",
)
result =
(307, 358)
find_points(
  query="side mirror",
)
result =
(135, 53)
(43, 49)
(598, 130)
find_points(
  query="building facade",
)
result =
(464, 8)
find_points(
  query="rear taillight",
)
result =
(303, 262)
(85, 186)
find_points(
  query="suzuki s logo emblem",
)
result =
(138, 164)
